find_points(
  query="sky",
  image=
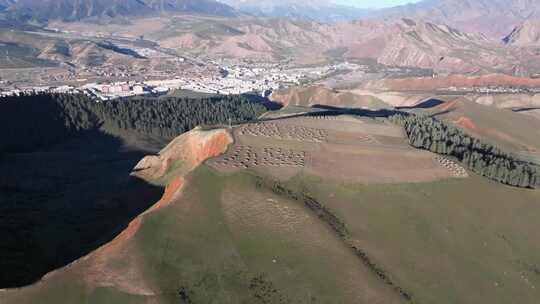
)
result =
(374, 3)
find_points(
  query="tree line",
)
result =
(170, 116)
(32, 120)
(431, 134)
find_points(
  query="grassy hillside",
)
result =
(509, 130)
(58, 203)
(65, 187)
(225, 241)
(228, 241)
(331, 230)
(454, 241)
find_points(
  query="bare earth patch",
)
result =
(341, 148)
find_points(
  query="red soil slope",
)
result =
(117, 263)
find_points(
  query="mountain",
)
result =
(405, 43)
(320, 10)
(69, 10)
(206, 7)
(494, 18)
(526, 34)
(73, 10)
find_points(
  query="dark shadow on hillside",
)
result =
(58, 204)
(525, 109)
(333, 111)
(428, 104)
(269, 104)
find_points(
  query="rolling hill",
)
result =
(512, 131)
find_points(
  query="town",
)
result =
(224, 77)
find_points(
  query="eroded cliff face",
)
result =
(183, 154)
(170, 166)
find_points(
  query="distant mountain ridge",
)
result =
(319, 10)
(402, 42)
(71, 10)
(495, 18)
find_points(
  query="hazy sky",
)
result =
(375, 3)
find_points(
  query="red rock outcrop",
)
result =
(192, 148)
(187, 151)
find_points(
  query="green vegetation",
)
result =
(35, 120)
(60, 202)
(327, 216)
(172, 116)
(452, 241)
(227, 239)
(65, 170)
(13, 55)
(485, 159)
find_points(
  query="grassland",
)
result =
(227, 239)
(450, 241)
(509, 130)
(226, 242)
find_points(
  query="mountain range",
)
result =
(494, 18)
(525, 34)
(68, 10)
(320, 10)
(446, 36)
(402, 42)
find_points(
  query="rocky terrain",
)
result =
(525, 34)
(494, 18)
(320, 10)
(44, 11)
(406, 42)
(428, 35)
(200, 30)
